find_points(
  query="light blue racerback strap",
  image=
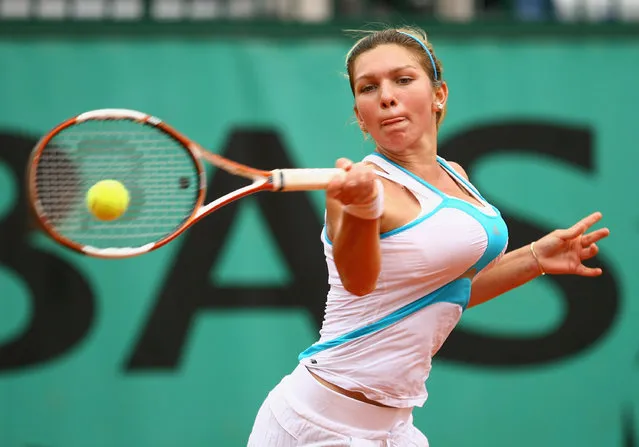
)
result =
(394, 174)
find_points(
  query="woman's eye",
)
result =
(404, 80)
(367, 88)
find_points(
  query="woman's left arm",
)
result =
(560, 252)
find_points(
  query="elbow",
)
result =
(360, 289)
(359, 270)
(360, 285)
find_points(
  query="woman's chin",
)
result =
(396, 143)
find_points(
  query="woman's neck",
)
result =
(420, 160)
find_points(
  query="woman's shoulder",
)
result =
(458, 168)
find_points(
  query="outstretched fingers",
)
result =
(589, 252)
(595, 236)
(582, 270)
(580, 227)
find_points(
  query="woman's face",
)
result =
(394, 99)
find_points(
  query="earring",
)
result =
(440, 106)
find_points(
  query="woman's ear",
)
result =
(440, 97)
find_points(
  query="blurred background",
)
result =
(181, 346)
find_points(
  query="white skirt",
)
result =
(300, 411)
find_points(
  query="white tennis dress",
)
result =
(382, 344)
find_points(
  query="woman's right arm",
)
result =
(355, 235)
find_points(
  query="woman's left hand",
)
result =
(561, 252)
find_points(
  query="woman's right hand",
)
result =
(355, 186)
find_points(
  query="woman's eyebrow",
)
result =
(394, 70)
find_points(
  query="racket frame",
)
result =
(262, 180)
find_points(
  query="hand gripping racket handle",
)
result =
(303, 179)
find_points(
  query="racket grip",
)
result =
(302, 179)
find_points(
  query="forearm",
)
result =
(357, 255)
(513, 270)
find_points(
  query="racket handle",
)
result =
(302, 179)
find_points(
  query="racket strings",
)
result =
(159, 174)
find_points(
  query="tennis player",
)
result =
(410, 244)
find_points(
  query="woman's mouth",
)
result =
(391, 121)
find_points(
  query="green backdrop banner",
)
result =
(180, 347)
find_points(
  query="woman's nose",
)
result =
(387, 98)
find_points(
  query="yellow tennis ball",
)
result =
(107, 200)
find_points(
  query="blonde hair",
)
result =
(412, 38)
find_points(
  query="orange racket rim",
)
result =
(102, 115)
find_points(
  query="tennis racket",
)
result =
(161, 169)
